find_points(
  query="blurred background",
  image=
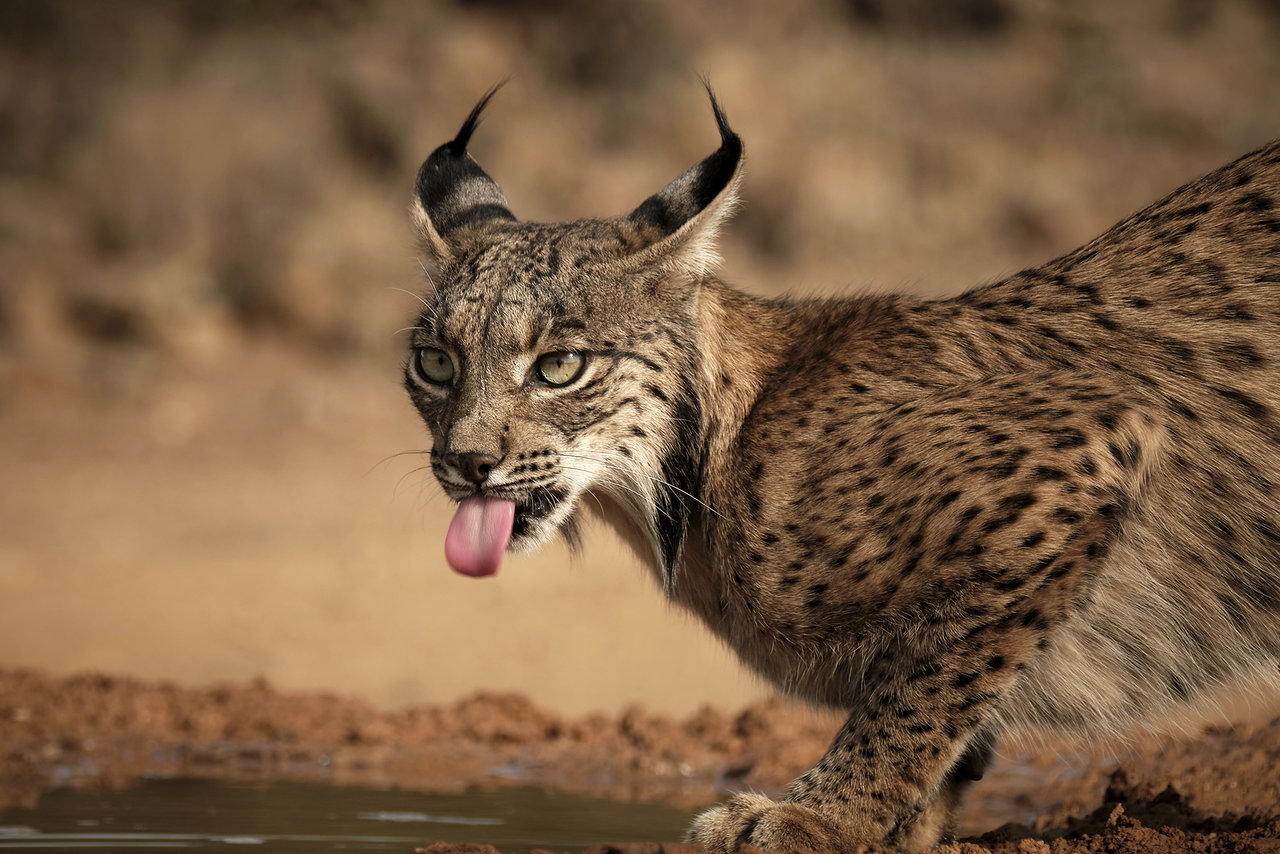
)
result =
(204, 240)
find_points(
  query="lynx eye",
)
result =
(434, 365)
(562, 368)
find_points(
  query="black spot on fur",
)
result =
(1020, 501)
(1033, 540)
(1067, 437)
(1239, 354)
(1254, 409)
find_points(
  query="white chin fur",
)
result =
(543, 531)
(530, 541)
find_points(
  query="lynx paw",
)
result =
(756, 820)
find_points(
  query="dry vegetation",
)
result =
(179, 175)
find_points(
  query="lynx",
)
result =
(1051, 502)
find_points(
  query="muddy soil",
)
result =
(1216, 789)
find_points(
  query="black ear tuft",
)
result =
(458, 145)
(727, 135)
(693, 192)
(454, 193)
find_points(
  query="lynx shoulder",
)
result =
(1051, 502)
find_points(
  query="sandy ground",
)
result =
(1212, 790)
(251, 517)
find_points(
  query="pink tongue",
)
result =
(478, 535)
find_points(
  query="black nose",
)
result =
(474, 467)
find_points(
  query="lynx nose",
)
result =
(474, 467)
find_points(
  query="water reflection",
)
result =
(298, 817)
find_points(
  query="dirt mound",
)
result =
(95, 728)
(1217, 791)
(1131, 821)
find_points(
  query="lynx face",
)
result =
(553, 361)
(535, 390)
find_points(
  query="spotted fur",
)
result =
(1050, 502)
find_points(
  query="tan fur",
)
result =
(1051, 502)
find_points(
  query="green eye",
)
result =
(561, 368)
(434, 365)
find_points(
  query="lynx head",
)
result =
(554, 361)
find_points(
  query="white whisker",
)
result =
(426, 274)
(646, 500)
(389, 457)
(429, 307)
(637, 473)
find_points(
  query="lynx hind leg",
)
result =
(937, 816)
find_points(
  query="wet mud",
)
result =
(1213, 790)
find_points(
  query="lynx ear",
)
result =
(454, 196)
(677, 226)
